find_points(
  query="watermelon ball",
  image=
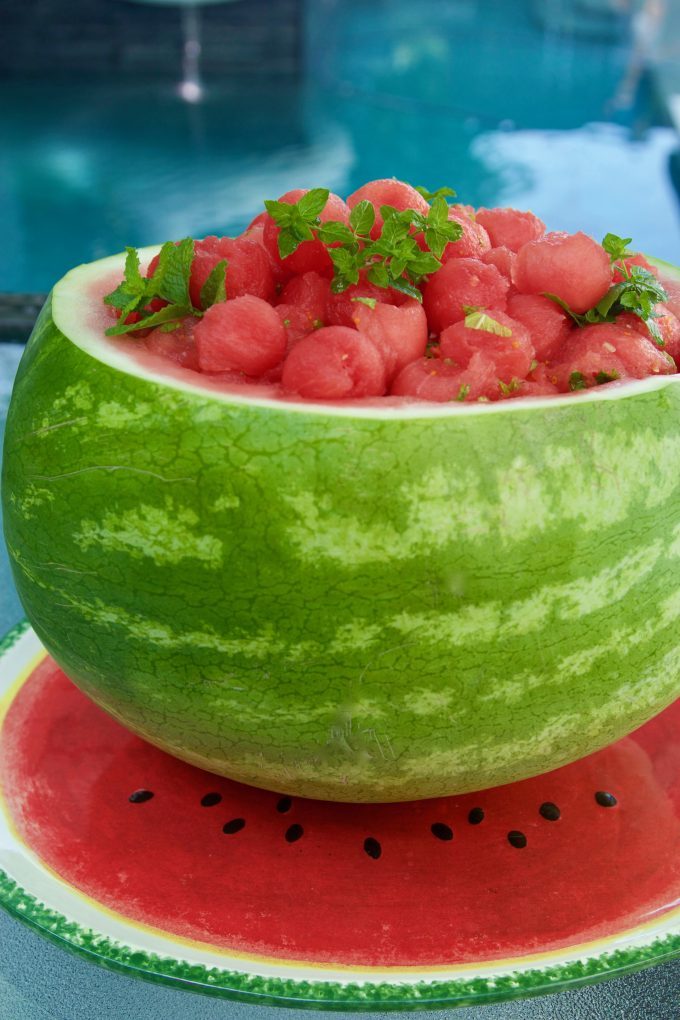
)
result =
(399, 332)
(179, 345)
(539, 383)
(509, 355)
(442, 381)
(605, 352)
(310, 256)
(256, 221)
(672, 288)
(503, 259)
(310, 293)
(461, 284)
(510, 228)
(388, 191)
(342, 306)
(244, 333)
(295, 321)
(547, 323)
(334, 363)
(667, 324)
(572, 266)
(474, 241)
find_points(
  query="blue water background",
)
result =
(474, 94)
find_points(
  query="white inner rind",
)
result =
(78, 313)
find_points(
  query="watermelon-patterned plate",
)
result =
(152, 867)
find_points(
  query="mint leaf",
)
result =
(405, 287)
(508, 388)
(430, 196)
(295, 220)
(577, 381)
(362, 218)
(616, 247)
(580, 320)
(171, 279)
(605, 377)
(379, 275)
(370, 301)
(313, 203)
(133, 286)
(334, 232)
(480, 320)
(214, 289)
(280, 212)
(463, 391)
(171, 313)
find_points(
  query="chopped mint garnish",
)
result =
(480, 320)
(370, 301)
(463, 392)
(508, 388)
(577, 381)
(605, 377)
(533, 366)
(430, 196)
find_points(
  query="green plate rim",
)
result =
(310, 994)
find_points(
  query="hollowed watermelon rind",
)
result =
(343, 603)
(303, 991)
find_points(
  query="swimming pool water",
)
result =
(473, 94)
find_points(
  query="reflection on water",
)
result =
(468, 94)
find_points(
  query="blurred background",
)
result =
(131, 123)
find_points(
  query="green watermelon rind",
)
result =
(355, 603)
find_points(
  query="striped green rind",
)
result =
(361, 994)
(353, 604)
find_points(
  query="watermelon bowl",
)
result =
(361, 602)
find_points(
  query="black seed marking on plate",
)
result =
(294, 833)
(605, 799)
(442, 831)
(211, 799)
(140, 796)
(549, 811)
(476, 816)
(372, 847)
(235, 825)
(517, 839)
(284, 805)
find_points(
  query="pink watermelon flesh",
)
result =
(610, 348)
(534, 866)
(510, 356)
(461, 284)
(548, 325)
(503, 259)
(572, 266)
(510, 228)
(399, 332)
(474, 242)
(334, 363)
(245, 334)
